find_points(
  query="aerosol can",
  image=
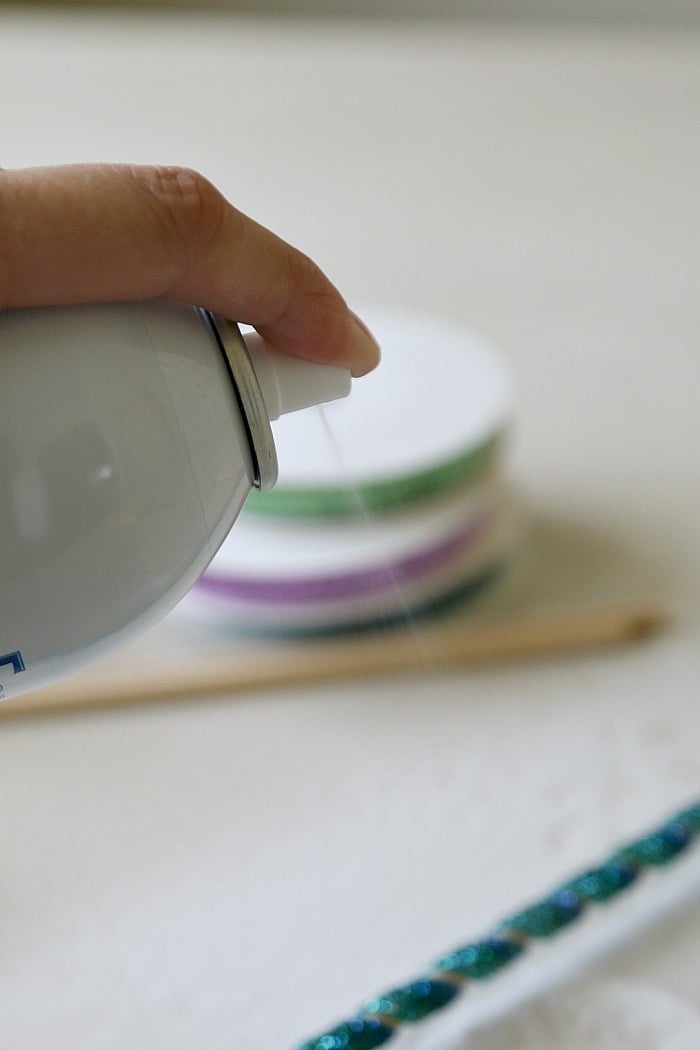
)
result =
(130, 436)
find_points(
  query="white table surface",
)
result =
(240, 874)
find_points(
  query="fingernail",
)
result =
(367, 352)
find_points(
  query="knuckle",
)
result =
(186, 205)
(304, 285)
(310, 280)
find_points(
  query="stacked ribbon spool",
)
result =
(390, 504)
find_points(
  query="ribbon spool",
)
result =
(389, 503)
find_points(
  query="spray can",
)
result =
(130, 436)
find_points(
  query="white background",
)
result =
(223, 874)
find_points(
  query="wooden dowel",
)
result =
(449, 645)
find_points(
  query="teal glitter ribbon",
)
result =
(382, 1016)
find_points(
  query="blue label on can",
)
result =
(16, 660)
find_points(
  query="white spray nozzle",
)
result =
(288, 383)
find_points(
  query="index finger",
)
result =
(96, 233)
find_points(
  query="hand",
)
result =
(98, 233)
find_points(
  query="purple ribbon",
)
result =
(344, 585)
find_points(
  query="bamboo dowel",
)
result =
(450, 645)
